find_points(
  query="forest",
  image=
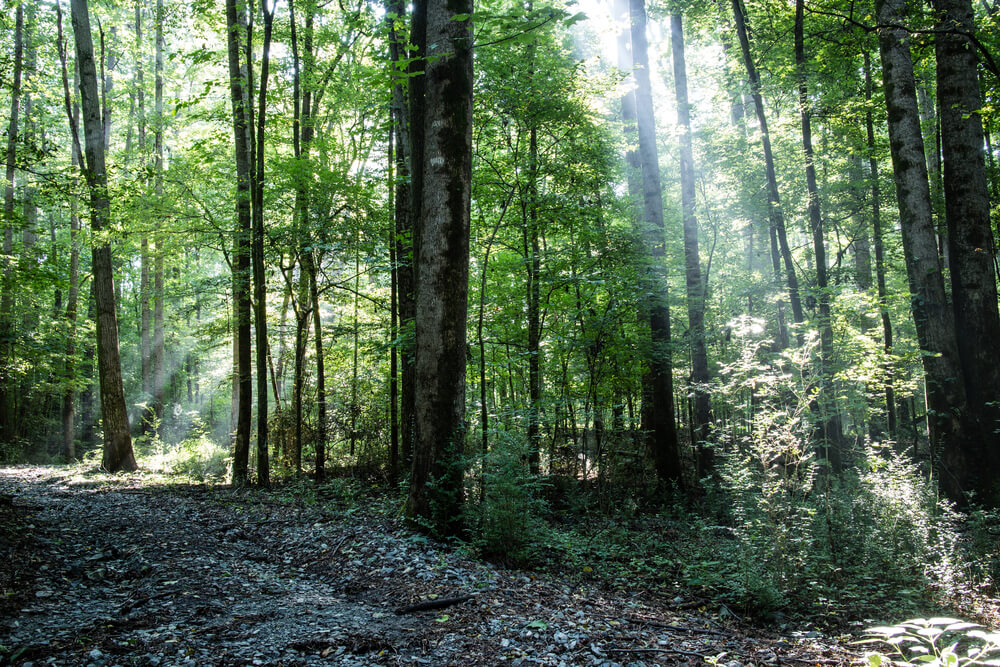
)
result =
(685, 295)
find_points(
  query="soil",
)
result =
(107, 570)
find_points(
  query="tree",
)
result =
(970, 244)
(442, 266)
(943, 384)
(243, 395)
(654, 285)
(779, 237)
(7, 296)
(118, 453)
(693, 280)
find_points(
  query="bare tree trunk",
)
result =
(666, 453)
(696, 289)
(73, 116)
(445, 162)
(943, 382)
(257, 252)
(825, 403)
(890, 397)
(241, 253)
(118, 453)
(970, 244)
(7, 282)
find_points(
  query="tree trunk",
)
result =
(533, 263)
(696, 289)
(666, 453)
(943, 383)
(445, 163)
(241, 252)
(158, 366)
(779, 238)
(257, 252)
(890, 398)
(970, 245)
(118, 453)
(825, 401)
(7, 282)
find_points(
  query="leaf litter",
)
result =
(114, 570)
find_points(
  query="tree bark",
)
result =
(666, 454)
(118, 453)
(970, 245)
(436, 482)
(944, 387)
(696, 288)
(241, 252)
(257, 252)
(877, 238)
(827, 408)
(7, 283)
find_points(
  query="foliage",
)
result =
(507, 517)
(938, 641)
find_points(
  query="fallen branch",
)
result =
(682, 628)
(433, 604)
(674, 651)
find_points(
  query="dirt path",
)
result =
(101, 570)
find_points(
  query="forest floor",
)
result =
(138, 570)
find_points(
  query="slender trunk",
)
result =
(944, 387)
(118, 453)
(696, 289)
(158, 366)
(533, 262)
(666, 453)
(890, 398)
(7, 282)
(311, 267)
(828, 414)
(779, 239)
(257, 252)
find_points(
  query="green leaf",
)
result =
(539, 623)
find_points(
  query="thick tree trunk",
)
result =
(241, 252)
(118, 453)
(696, 289)
(779, 239)
(970, 245)
(666, 453)
(445, 162)
(828, 414)
(943, 382)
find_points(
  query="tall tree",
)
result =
(243, 395)
(878, 241)
(779, 237)
(442, 267)
(9, 222)
(693, 280)
(970, 243)
(944, 388)
(118, 453)
(666, 453)
(829, 416)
